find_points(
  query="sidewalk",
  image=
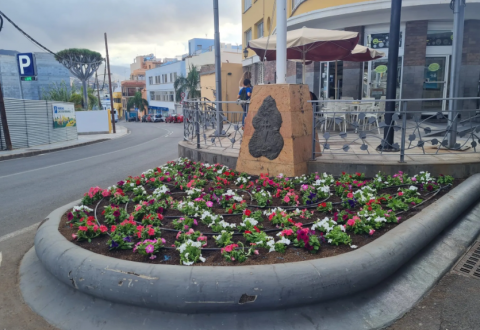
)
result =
(82, 140)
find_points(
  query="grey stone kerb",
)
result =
(205, 289)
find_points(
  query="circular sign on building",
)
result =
(381, 69)
(434, 67)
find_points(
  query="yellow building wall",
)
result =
(118, 106)
(263, 9)
(312, 5)
(230, 86)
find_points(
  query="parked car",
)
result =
(132, 116)
(174, 119)
(158, 118)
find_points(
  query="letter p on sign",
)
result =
(26, 65)
(23, 62)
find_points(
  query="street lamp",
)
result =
(245, 53)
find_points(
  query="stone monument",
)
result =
(278, 131)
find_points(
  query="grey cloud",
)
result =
(132, 26)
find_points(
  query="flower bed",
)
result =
(199, 214)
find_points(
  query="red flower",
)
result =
(248, 212)
(230, 211)
(83, 228)
(160, 216)
(400, 193)
(323, 205)
(256, 229)
(248, 232)
(103, 229)
(113, 228)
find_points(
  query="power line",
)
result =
(30, 38)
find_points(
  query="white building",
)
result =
(160, 90)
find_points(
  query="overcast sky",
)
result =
(134, 27)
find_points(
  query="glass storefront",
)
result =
(435, 84)
(376, 79)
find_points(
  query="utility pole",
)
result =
(394, 45)
(98, 92)
(3, 116)
(218, 69)
(454, 105)
(110, 86)
(281, 41)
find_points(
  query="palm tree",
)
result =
(188, 84)
(138, 102)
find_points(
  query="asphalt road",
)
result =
(32, 187)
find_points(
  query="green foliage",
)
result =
(64, 93)
(137, 102)
(78, 55)
(188, 84)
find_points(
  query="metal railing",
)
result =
(30, 123)
(362, 128)
(200, 123)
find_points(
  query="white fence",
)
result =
(30, 123)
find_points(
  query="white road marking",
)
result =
(0, 259)
(82, 159)
(18, 232)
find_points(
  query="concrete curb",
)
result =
(218, 289)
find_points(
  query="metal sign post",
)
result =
(218, 70)
(110, 87)
(453, 105)
(3, 116)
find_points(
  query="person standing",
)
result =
(244, 95)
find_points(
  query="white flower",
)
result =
(284, 240)
(353, 246)
(380, 219)
(251, 221)
(132, 184)
(189, 263)
(237, 198)
(202, 259)
(413, 188)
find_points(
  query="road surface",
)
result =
(32, 187)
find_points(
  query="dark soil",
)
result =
(213, 258)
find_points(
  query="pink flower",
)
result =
(190, 232)
(153, 257)
(209, 204)
(414, 179)
(185, 227)
(233, 259)
(163, 241)
(199, 199)
(178, 235)
(256, 251)
(74, 236)
(304, 187)
(149, 248)
(106, 193)
(371, 232)
(351, 222)
(286, 199)
(95, 228)
(83, 228)
(350, 195)
(138, 207)
(195, 222)
(400, 193)
(151, 232)
(103, 229)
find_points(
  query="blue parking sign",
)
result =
(26, 65)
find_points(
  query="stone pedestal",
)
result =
(278, 131)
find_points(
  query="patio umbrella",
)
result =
(307, 44)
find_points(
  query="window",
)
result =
(247, 5)
(199, 47)
(260, 29)
(380, 40)
(174, 76)
(150, 80)
(248, 36)
(439, 38)
(171, 97)
(259, 73)
(152, 96)
(171, 77)
(296, 3)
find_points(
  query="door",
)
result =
(376, 85)
(324, 74)
(435, 85)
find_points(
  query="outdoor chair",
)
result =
(334, 111)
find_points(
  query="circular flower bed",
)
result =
(200, 214)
